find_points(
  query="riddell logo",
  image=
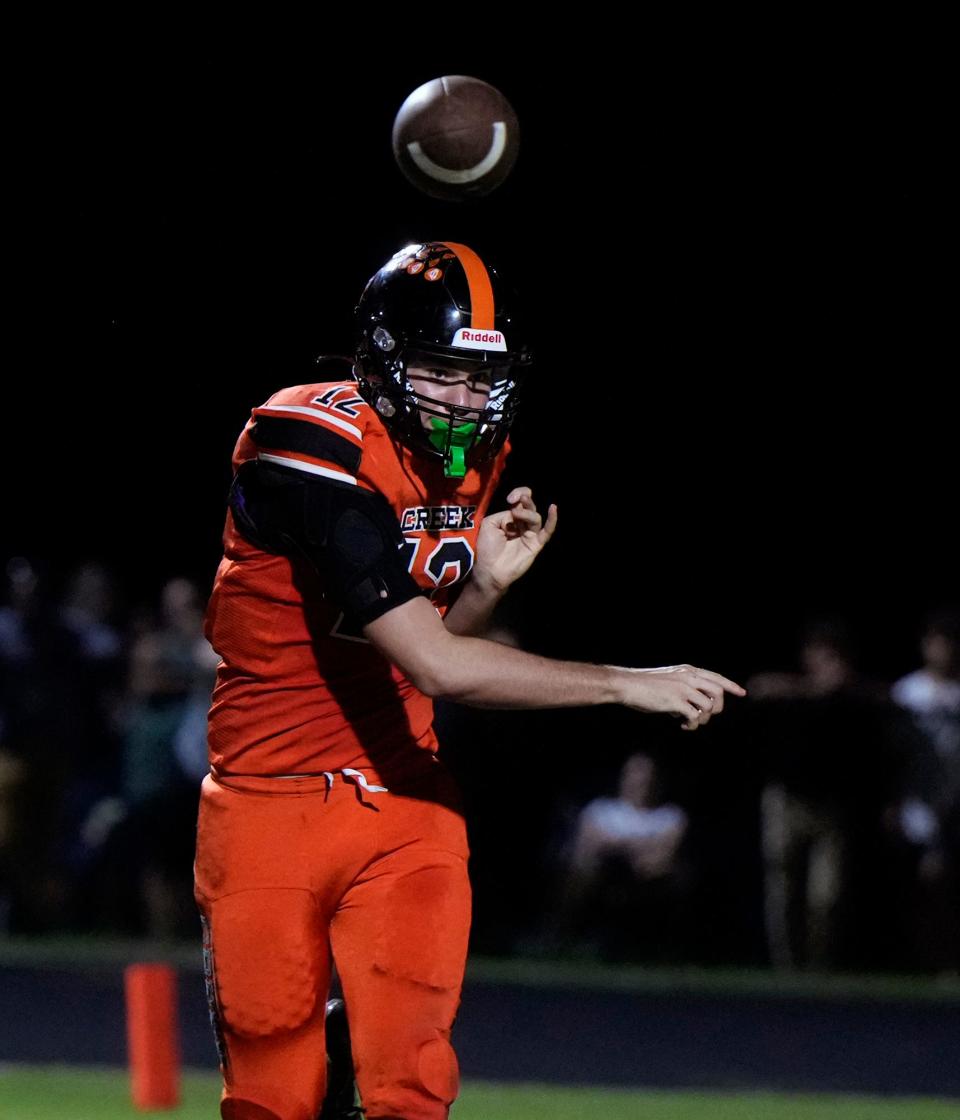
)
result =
(479, 340)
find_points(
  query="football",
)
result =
(456, 137)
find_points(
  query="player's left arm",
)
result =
(507, 544)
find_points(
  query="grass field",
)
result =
(90, 1093)
(61, 1092)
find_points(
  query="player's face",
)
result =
(459, 385)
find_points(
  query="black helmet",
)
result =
(440, 300)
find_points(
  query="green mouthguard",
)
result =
(460, 436)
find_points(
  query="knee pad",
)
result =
(265, 948)
(236, 1108)
(438, 1070)
(262, 1105)
(422, 1082)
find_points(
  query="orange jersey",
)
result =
(299, 691)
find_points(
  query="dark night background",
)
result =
(734, 264)
(735, 273)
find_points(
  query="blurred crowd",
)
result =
(837, 818)
(102, 748)
(855, 785)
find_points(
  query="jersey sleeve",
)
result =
(319, 434)
(297, 494)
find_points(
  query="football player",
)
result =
(360, 567)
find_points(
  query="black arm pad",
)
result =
(350, 535)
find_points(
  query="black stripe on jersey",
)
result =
(284, 434)
(350, 535)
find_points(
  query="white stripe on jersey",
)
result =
(324, 416)
(310, 468)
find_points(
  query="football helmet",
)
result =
(440, 301)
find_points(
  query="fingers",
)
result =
(525, 519)
(514, 521)
(706, 699)
(693, 695)
(701, 703)
(526, 516)
(691, 715)
(707, 679)
(548, 530)
(713, 694)
(715, 678)
(695, 716)
(501, 518)
(699, 707)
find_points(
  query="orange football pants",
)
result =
(291, 871)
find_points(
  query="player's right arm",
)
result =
(300, 496)
(486, 674)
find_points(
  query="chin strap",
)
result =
(452, 441)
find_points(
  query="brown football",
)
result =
(456, 137)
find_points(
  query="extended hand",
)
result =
(509, 541)
(682, 690)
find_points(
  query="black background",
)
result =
(734, 253)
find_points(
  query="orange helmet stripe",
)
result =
(481, 290)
